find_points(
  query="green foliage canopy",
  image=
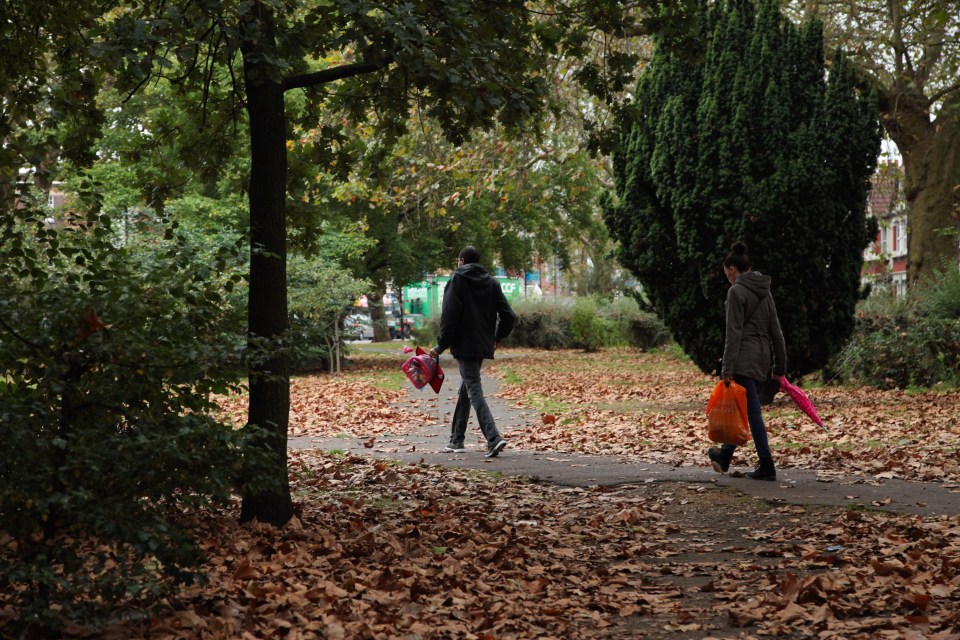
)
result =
(756, 142)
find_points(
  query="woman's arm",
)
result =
(734, 332)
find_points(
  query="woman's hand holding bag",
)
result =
(727, 414)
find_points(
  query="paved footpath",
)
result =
(793, 486)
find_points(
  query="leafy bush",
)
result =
(940, 297)
(645, 331)
(544, 325)
(109, 357)
(912, 343)
(551, 325)
(590, 331)
(319, 291)
(426, 334)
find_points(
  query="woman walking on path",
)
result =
(752, 325)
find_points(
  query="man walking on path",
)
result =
(475, 317)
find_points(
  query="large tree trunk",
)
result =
(378, 315)
(931, 166)
(932, 174)
(269, 380)
(932, 188)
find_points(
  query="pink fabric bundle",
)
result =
(422, 370)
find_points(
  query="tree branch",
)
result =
(942, 93)
(334, 73)
(18, 336)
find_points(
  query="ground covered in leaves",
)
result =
(415, 551)
(383, 550)
(652, 405)
(368, 399)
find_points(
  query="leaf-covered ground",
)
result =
(652, 405)
(413, 551)
(367, 400)
(384, 550)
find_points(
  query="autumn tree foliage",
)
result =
(757, 141)
(468, 64)
(457, 59)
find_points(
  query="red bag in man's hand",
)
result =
(727, 414)
(422, 370)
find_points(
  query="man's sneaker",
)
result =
(494, 450)
(454, 448)
(719, 461)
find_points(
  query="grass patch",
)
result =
(673, 351)
(393, 347)
(543, 404)
(509, 375)
(387, 503)
(386, 380)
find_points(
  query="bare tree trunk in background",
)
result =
(931, 165)
(378, 314)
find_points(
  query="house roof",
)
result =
(886, 190)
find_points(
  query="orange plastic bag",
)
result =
(727, 414)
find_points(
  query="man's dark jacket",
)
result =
(472, 304)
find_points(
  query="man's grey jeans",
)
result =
(471, 393)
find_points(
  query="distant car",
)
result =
(358, 327)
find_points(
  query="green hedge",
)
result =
(586, 323)
(581, 323)
(910, 343)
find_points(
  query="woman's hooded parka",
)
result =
(752, 325)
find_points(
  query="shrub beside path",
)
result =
(794, 486)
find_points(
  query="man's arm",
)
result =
(449, 316)
(506, 317)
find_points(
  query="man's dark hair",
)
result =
(469, 255)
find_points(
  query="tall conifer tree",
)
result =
(757, 141)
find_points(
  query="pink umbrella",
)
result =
(801, 399)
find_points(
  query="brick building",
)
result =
(885, 260)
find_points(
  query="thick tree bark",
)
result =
(932, 172)
(931, 163)
(269, 380)
(378, 314)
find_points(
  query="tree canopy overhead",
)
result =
(756, 142)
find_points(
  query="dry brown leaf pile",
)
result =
(349, 403)
(384, 551)
(415, 551)
(652, 405)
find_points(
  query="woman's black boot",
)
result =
(764, 471)
(719, 460)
